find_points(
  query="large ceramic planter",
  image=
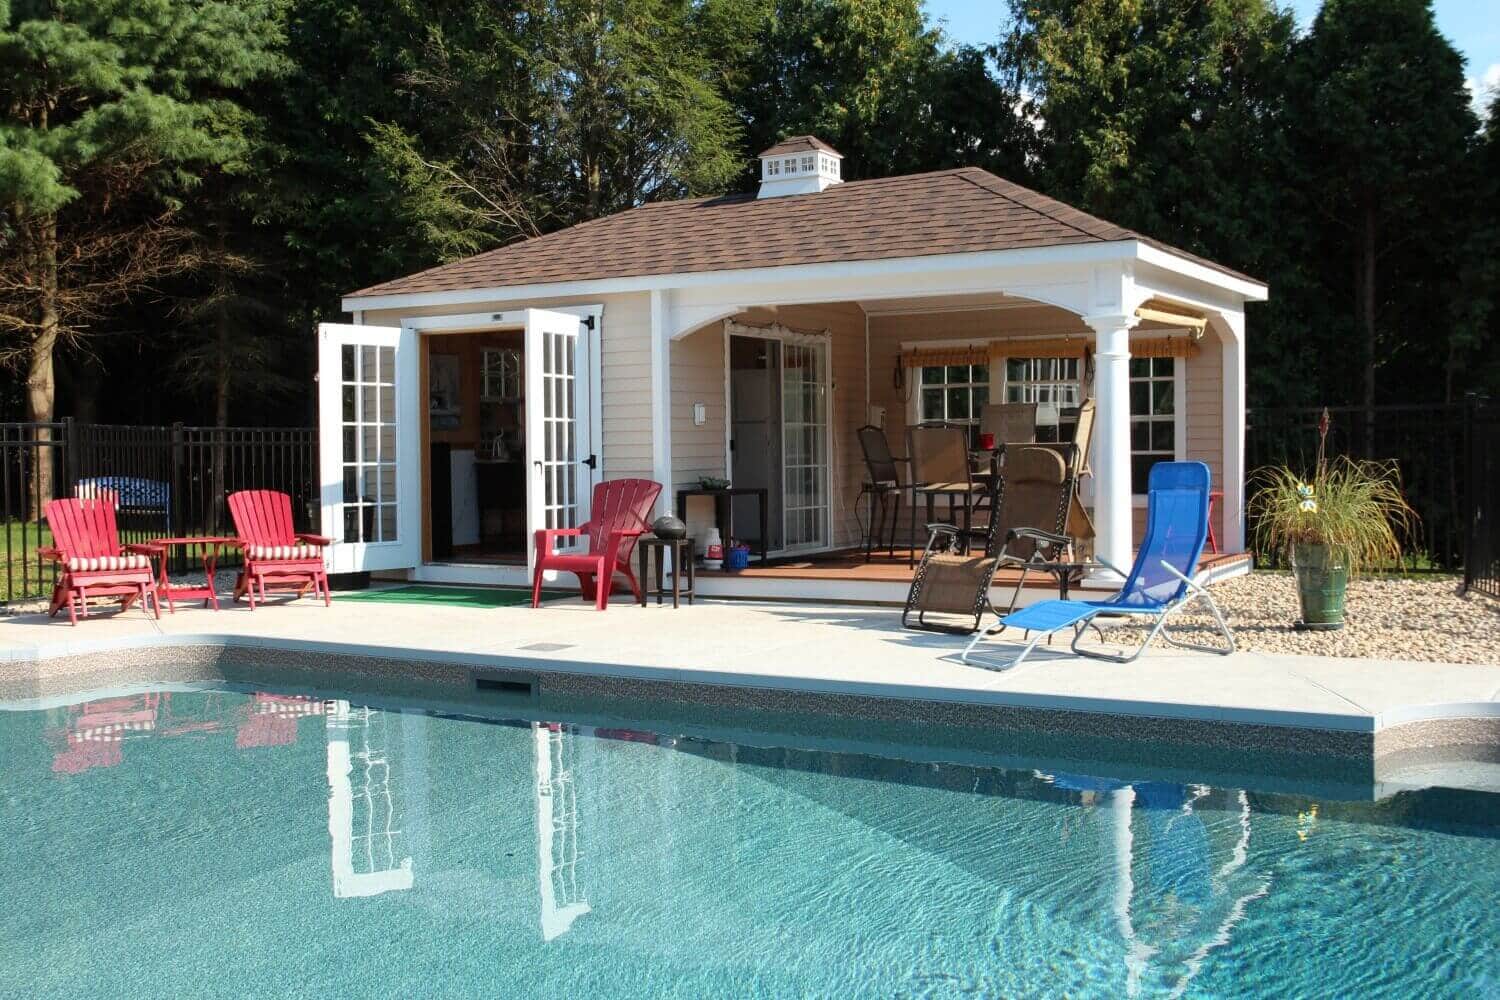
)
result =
(1321, 582)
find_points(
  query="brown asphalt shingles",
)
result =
(952, 211)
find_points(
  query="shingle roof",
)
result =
(952, 211)
(798, 144)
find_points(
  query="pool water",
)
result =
(216, 843)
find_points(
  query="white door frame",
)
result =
(592, 318)
(406, 549)
(787, 335)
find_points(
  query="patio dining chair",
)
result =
(1009, 422)
(1028, 505)
(939, 455)
(1159, 584)
(884, 485)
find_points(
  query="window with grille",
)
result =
(1153, 417)
(1053, 385)
(954, 394)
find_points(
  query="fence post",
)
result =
(1475, 489)
(72, 458)
(175, 508)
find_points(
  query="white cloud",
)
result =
(1484, 88)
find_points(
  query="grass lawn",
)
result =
(22, 574)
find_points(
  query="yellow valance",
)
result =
(1164, 347)
(973, 354)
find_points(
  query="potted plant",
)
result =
(1349, 515)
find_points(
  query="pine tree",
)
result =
(112, 111)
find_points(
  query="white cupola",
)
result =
(799, 165)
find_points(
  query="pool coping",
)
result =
(1360, 734)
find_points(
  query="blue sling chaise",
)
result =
(1158, 585)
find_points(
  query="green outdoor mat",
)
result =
(469, 597)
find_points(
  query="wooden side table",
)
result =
(682, 556)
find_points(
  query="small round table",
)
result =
(682, 556)
(208, 552)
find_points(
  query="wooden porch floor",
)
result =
(849, 565)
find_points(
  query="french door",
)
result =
(559, 445)
(368, 436)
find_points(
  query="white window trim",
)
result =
(1179, 421)
(786, 335)
(914, 403)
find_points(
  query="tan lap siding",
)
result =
(698, 377)
(625, 366)
(1205, 414)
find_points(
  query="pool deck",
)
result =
(795, 650)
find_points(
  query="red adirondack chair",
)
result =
(617, 520)
(276, 555)
(93, 563)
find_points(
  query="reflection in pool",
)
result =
(226, 844)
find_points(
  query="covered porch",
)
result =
(1165, 373)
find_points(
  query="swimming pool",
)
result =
(226, 843)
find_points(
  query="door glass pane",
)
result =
(368, 437)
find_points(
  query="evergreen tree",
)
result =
(112, 111)
(1382, 132)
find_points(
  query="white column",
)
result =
(661, 400)
(1233, 518)
(1110, 455)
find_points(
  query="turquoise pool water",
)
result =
(194, 843)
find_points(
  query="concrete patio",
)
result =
(802, 649)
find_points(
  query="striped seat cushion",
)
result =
(94, 564)
(285, 552)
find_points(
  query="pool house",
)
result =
(749, 337)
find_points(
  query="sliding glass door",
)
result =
(804, 451)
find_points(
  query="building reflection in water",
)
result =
(369, 849)
(556, 796)
(1181, 883)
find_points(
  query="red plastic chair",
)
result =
(617, 520)
(276, 554)
(94, 564)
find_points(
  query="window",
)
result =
(955, 394)
(502, 376)
(807, 163)
(1052, 384)
(773, 167)
(789, 164)
(1153, 417)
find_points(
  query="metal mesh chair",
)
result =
(884, 485)
(1028, 508)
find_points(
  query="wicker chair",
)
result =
(1028, 512)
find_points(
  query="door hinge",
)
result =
(592, 462)
(588, 321)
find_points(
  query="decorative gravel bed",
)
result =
(1386, 617)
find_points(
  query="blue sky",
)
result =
(1472, 25)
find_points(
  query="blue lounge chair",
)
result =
(1158, 585)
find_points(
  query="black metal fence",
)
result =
(1482, 567)
(166, 480)
(1432, 444)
